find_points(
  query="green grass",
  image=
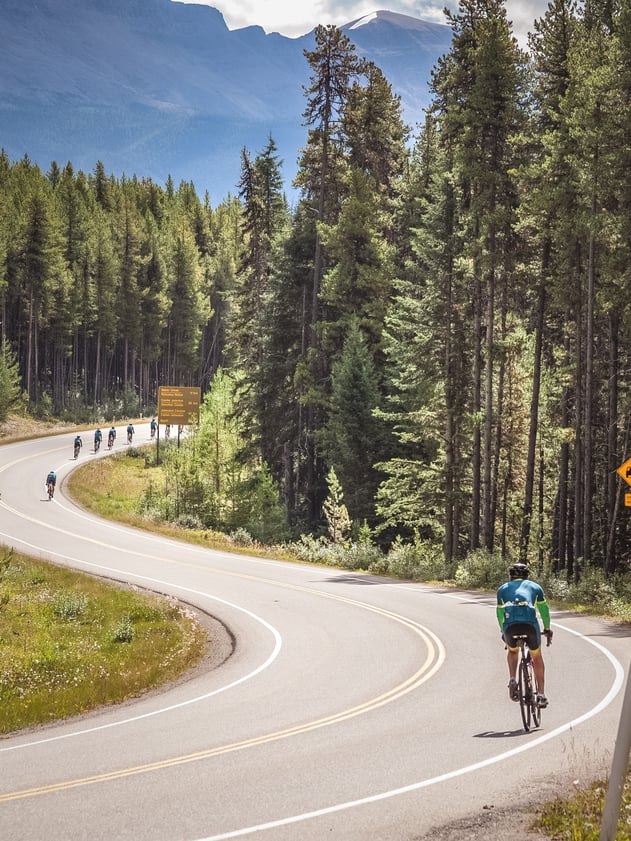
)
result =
(112, 488)
(578, 818)
(71, 642)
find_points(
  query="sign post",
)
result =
(178, 405)
(622, 745)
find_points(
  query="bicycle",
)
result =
(527, 684)
(50, 487)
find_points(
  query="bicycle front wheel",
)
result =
(525, 694)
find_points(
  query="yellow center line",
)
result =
(434, 660)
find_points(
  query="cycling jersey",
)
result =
(522, 591)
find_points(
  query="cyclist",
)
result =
(154, 426)
(111, 437)
(98, 437)
(517, 603)
(130, 432)
(51, 481)
(78, 443)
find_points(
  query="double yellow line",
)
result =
(435, 658)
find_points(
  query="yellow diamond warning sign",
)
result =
(624, 471)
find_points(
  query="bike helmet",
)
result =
(519, 571)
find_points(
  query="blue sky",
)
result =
(297, 18)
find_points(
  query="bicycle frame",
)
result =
(527, 687)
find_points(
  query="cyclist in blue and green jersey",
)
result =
(517, 603)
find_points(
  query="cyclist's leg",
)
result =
(512, 655)
(512, 659)
(538, 667)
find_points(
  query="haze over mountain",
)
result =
(156, 88)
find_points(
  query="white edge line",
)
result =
(458, 772)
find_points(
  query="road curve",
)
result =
(352, 707)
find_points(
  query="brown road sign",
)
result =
(178, 405)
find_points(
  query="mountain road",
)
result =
(350, 706)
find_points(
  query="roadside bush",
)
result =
(241, 537)
(418, 561)
(482, 569)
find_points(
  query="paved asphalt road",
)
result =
(352, 707)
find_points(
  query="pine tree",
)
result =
(335, 511)
(334, 66)
(9, 380)
(353, 437)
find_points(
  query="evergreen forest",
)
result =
(431, 345)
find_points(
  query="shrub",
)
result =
(418, 561)
(123, 631)
(481, 568)
(241, 537)
(70, 606)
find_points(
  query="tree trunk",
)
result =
(613, 459)
(476, 405)
(534, 425)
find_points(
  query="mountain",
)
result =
(156, 88)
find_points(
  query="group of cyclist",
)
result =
(111, 437)
(77, 444)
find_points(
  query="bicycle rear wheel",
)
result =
(534, 705)
(525, 693)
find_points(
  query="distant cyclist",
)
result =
(78, 443)
(154, 427)
(517, 603)
(51, 481)
(98, 437)
(130, 432)
(111, 437)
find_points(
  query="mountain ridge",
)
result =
(156, 88)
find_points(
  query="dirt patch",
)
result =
(489, 825)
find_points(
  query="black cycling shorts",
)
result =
(533, 632)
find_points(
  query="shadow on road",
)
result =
(364, 580)
(502, 734)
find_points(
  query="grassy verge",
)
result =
(578, 818)
(71, 642)
(112, 487)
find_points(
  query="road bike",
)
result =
(50, 487)
(77, 447)
(527, 686)
(110, 441)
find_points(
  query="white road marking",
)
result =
(457, 772)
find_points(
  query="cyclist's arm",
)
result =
(499, 610)
(544, 612)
